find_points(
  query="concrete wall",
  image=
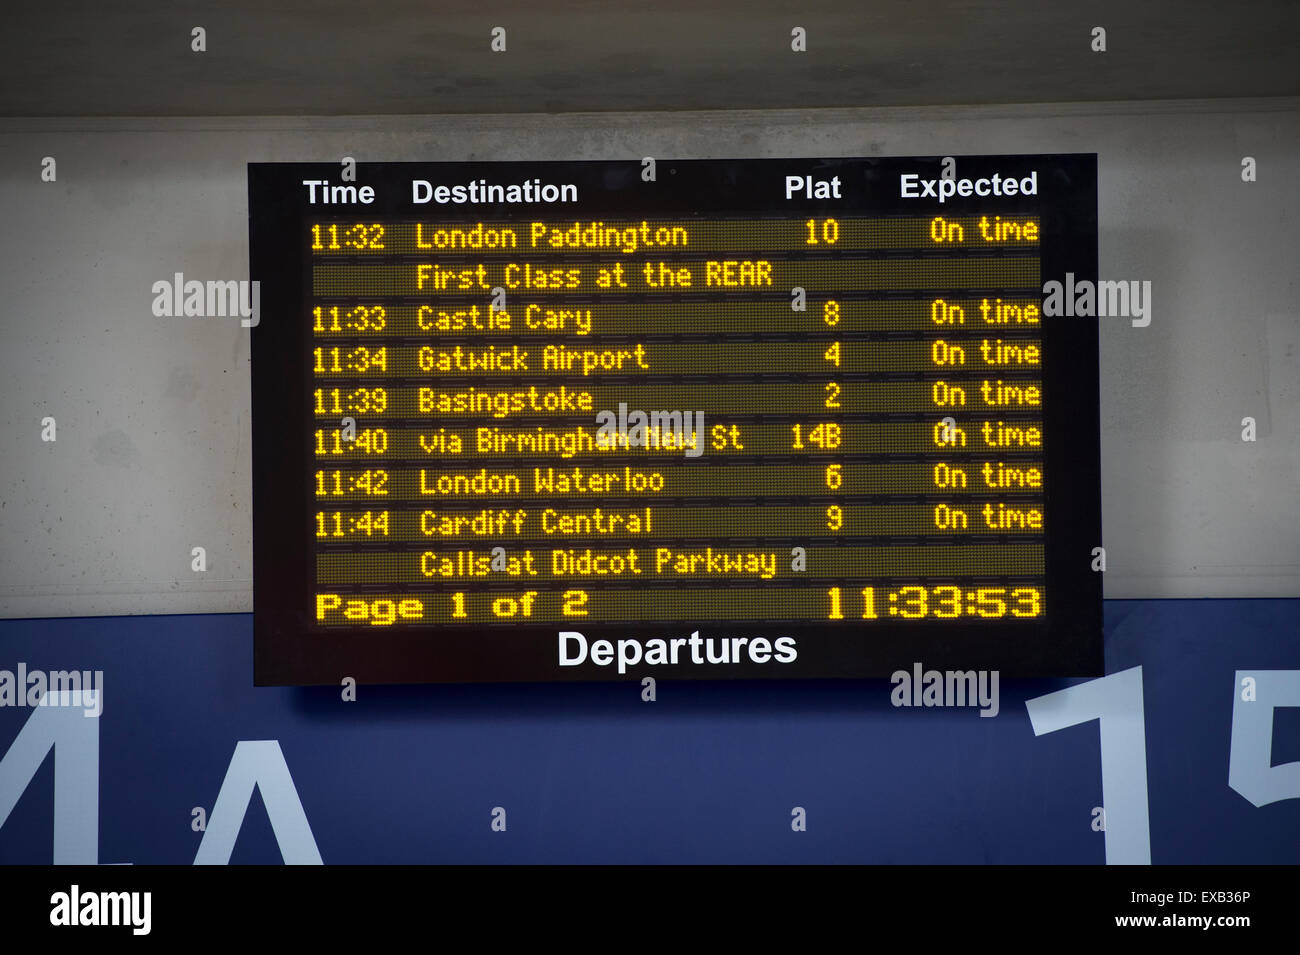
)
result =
(152, 456)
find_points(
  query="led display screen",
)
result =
(684, 419)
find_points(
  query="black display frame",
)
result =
(288, 650)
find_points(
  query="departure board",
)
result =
(545, 421)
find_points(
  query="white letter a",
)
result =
(258, 763)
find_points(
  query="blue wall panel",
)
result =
(708, 773)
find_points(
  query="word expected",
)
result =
(912, 186)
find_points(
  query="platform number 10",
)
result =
(827, 232)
